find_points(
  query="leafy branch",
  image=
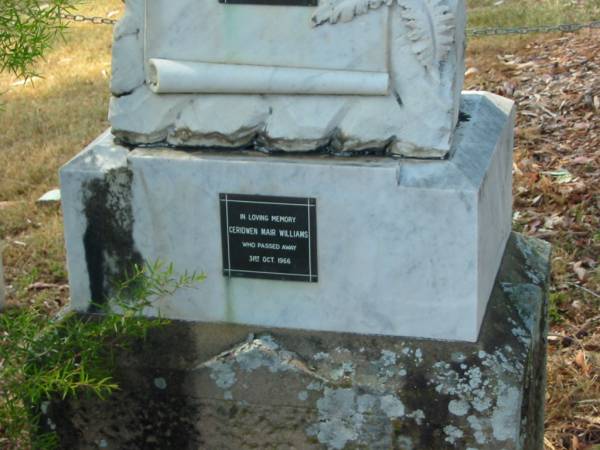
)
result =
(27, 30)
(43, 358)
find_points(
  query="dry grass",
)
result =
(510, 13)
(44, 125)
(48, 120)
(555, 81)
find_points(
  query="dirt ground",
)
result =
(555, 81)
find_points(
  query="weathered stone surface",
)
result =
(417, 46)
(50, 197)
(434, 230)
(193, 386)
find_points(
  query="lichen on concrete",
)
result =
(228, 386)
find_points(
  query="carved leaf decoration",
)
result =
(333, 11)
(430, 25)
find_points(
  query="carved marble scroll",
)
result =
(185, 77)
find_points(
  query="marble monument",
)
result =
(340, 76)
(327, 228)
(352, 211)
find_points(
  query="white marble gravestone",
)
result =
(345, 75)
(367, 244)
(332, 254)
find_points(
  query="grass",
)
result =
(56, 114)
(46, 123)
(518, 13)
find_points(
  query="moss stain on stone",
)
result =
(108, 240)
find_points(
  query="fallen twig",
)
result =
(42, 286)
(589, 291)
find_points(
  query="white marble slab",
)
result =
(405, 247)
(417, 44)
(283, 36)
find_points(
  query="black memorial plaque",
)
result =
(273, 2)
(269, 237)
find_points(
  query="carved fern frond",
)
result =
(430, 25)
(333, 11)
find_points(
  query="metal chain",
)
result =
(566, 28)
(93, 20)
(474, 32)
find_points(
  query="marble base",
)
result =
(405, 247)
(211, 386)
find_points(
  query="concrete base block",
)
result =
(211, 386)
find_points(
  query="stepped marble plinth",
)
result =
(405, 247)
